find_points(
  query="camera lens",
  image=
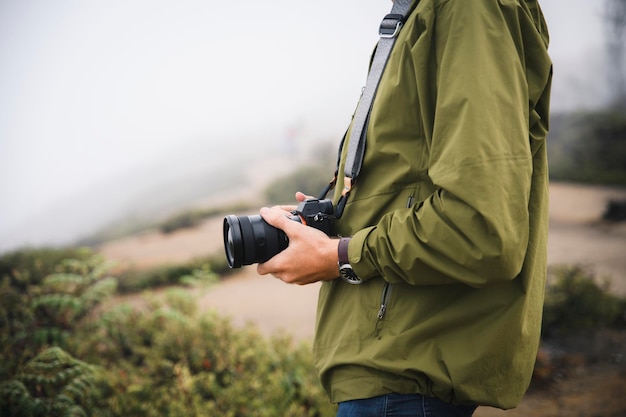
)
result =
(229, 245)
(250, 239)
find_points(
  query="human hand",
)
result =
(311, 255)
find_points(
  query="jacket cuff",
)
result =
(363, 267)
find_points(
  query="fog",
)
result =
(106, 105)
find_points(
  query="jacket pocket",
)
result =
(382, 310)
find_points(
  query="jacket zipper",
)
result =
(384, 299)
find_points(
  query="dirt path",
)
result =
(577, 235)
(266, 302)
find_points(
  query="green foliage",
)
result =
(71, 356)
(38, 311)
(62, 353)
(165, 359)
(51, 384)
(196, 272)
(588, 147)
(576, 303)
(27, 267)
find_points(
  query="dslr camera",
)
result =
(250, 239)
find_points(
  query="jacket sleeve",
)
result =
(474, 227)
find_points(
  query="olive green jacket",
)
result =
(449, 215)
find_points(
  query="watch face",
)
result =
(348, 275)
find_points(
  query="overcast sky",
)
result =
(89, 89)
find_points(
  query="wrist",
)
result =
(329, 255)
(346, 272)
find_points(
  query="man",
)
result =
(447, 222)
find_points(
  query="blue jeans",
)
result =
(402, 405)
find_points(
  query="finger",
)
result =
(262, 269)
(278, 218)
(288, 208)
(268, 267)
(302, 197)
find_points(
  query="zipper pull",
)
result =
(409, 201)
(381, 311)
(383, 301)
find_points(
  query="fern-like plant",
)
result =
(64, 298)
(39, 312)
(52, 384)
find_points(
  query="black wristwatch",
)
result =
(345, 269)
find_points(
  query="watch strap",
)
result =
(343, 250)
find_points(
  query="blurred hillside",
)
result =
(588, 147)
(204, 172)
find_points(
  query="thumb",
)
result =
(300, 197)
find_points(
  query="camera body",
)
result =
(318, 214)
(250, 239)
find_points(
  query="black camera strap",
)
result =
(388, 31)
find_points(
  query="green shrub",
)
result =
(29, 266)
(588, 147)
(63, 353)
(575, 302)
(197, 271)
(51, 384)
(165, 359)
(42, 304)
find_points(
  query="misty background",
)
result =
(130, 109)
